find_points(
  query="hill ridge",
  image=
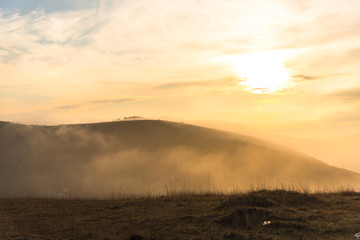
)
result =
(149, 156)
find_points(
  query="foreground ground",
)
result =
(292, 215)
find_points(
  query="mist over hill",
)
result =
(149, 157)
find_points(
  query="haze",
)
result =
(284, 70)
(151, 157)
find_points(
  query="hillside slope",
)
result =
(149, 157)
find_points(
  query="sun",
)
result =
(262, 72)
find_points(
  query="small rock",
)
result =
(266, 223)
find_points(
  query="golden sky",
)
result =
(288, 67)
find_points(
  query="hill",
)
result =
(149, 157)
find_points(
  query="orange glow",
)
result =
(262, 72)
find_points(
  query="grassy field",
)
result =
(292, 215)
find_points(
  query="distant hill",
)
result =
(149, 157)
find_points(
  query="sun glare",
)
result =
(262, 72)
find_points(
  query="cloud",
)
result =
(68, 107)
(347, 94)
(94, 103)
(312, 23)
(162, 49)
(210, 83)
(352, 55)
(263, 90)
(41, 36)
(351, 117)
(348, 120)
(25, 6)
(300, 78)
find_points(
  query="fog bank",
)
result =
(149, 158)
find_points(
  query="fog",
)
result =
(335, 148)
(342, 151)
(128, 158)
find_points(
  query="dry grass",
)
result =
(293, 215)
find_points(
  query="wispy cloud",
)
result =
(299, 78)
(347, 94)
(211, 83)
(68, 107)
(346, 119)
(261, 90)
(94, 103)
(82, 50)
(352, 55)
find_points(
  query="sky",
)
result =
(278, 68)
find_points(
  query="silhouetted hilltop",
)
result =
(149, 156)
